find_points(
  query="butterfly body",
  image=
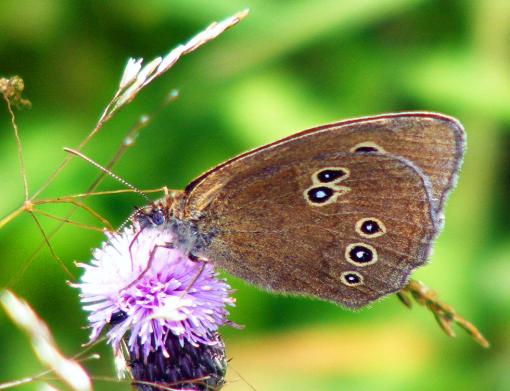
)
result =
(342, 212)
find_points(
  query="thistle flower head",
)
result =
(174, 298)
(199, 368)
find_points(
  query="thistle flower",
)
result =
(168, 317)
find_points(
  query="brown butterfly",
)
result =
(342, 212)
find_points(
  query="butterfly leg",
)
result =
(135, 237)
(203, 262)
(152, 254)
(444, 313)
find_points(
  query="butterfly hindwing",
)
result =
(283, 229)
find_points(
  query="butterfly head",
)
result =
(156, 213)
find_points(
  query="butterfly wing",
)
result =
(344, 227)
(435, 143)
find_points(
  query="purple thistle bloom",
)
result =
(172, 300)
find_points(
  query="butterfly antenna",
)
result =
(128, 220)
(106, 171)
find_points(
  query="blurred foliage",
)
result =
(290, 65)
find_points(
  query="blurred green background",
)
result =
(289, 66)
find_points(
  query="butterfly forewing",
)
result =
(433, 142)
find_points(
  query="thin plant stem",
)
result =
(42, 376)
(198, 380)
(48, 244)
(11, 216)
(79, 205)
(242, 378)
(67, 221)
(25, 380)
(19, 147)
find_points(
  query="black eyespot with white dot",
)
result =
(370, 227)
(320, 194)
(360, 254)
(351, 278)
(330, 175)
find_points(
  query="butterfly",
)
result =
(342, 212)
